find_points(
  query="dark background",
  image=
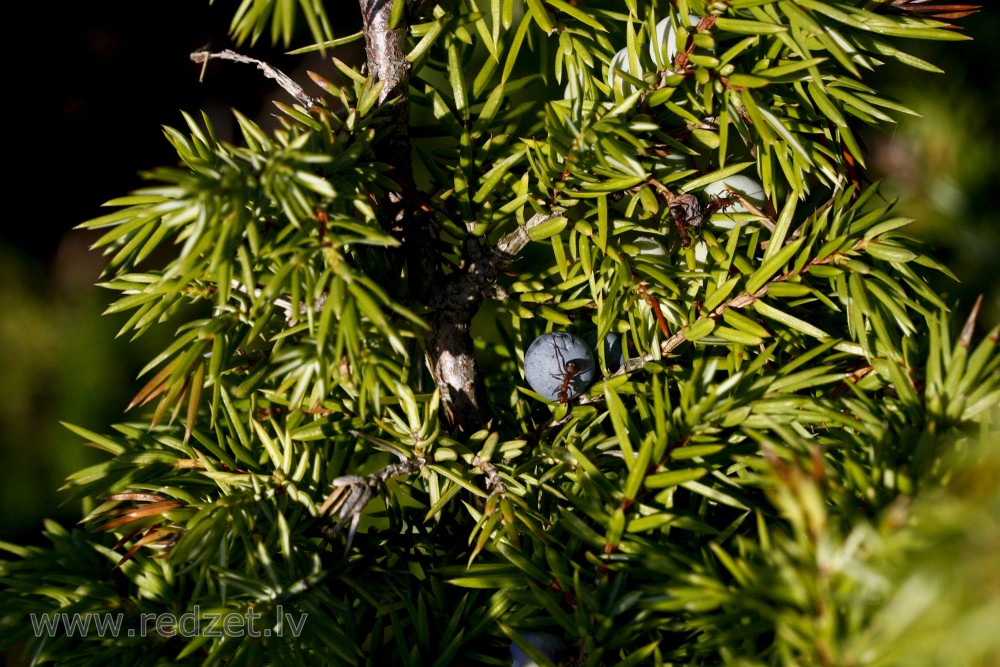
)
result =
(91, 84)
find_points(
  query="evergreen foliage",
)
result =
(784, 470)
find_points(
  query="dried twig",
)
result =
(351, 493)
(290, 87)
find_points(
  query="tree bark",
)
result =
(449, 345)
(386, 52)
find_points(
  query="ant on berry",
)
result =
(571, 371)
(721, 202)
(730, 198)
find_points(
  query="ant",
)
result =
(730, 198)
(571, 370)
(721, 202)
(685, 211)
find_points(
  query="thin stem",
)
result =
(270, 71)
(737, 302)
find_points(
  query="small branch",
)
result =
(740, 301)
(513, 243)
(290, 87)
(494, 483)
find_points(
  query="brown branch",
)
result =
(455, 298)
(386, 51)
(740, 301)
(449, 347)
